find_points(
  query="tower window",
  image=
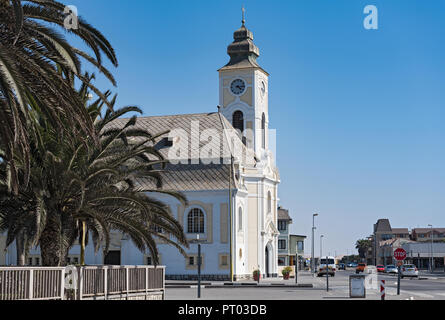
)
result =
(238, 121)
(263, 131)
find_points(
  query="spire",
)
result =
(244, 19)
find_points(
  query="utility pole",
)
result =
(432, 254)
(313, 232)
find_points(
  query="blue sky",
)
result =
(359, 113)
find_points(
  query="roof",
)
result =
(427, 230)
(382, 225)
(242, 51)
(189, 170)
(400, 231)
(283, 214)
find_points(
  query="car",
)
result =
(341, 266)
(380, 268)
(360, 268)
(409, 270)
(354, 265)
(391, 269)
(330, 264)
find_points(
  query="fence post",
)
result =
(31, 284)
(80, 283)
(128, 280)
(106, 283)
(62, 284)
(146, 282)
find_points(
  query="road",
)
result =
(411, 289)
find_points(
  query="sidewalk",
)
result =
(304, 281)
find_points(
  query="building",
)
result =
(223, 164)
(296, 247)
(401, 233)
(424, 234)
(420, 253)
(284, 220)
(382, 232)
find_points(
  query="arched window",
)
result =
(240, 219)
(195, 221)
(269, 202)
(238, 121)
(263, 131)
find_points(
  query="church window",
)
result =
(263, 131)
(238, 121)
(195, 221)
(269, 202)
(240, 219)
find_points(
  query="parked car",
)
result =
(341, 266)
(354, 265)
(391, 269)
(360, 268)
(380, 268)
(409, 270)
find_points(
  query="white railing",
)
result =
(32, 283)
(93, 282)
(101, 282)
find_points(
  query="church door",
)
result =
(267, 261)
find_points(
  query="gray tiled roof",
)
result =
(190, 177)
(283, 214)
(382, 225)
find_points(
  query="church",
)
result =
(222, 162)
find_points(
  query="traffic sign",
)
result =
(400, 254)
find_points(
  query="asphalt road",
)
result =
(411, 289)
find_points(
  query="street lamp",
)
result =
(321, 246)
(432, 255)
(313, 231)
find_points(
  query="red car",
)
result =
(380, 268)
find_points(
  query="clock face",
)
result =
(238, 87)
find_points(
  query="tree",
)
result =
(32, 52)
(362, 246)
(80, 188)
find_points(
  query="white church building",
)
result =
(230, 181)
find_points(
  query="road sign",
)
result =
(400, 254)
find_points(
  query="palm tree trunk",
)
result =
(50, 245)
(20, 247)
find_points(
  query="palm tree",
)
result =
(79, 190)
(32, 52)
(362, 246)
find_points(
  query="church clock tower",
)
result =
(243, 91)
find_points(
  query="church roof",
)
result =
(191, 176)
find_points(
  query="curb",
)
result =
(303, 285)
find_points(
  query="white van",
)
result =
(329, 263)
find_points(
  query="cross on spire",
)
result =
(244, 20)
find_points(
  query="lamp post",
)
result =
(313, 231)
(432, 254)
(199, 266)
(321, 246)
